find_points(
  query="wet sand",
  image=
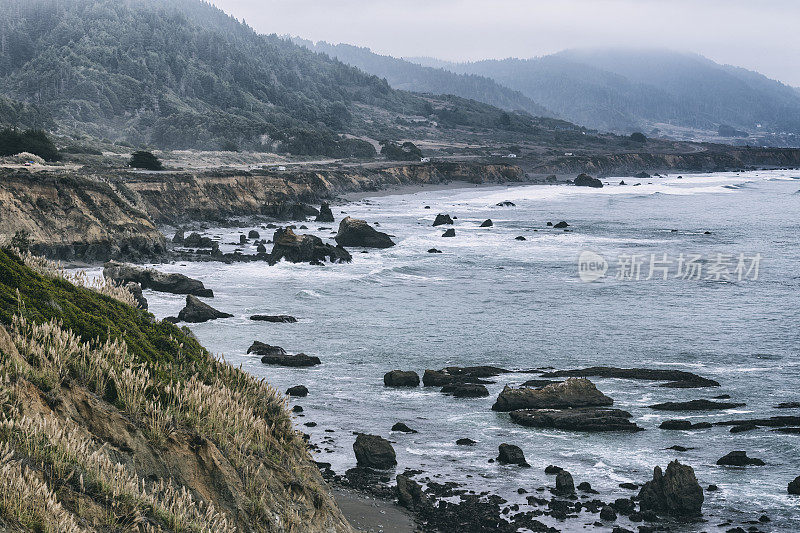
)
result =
(372, 515)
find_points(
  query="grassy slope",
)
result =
(120, 420)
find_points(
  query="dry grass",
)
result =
(243, 416)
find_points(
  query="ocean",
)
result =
(727, 244)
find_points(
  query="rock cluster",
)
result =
(574, 392)
(585, 180)
(304, 249)
(400, 378)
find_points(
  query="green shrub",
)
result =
(145, 160)
(13, 141)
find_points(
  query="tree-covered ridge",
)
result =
(408, 76)
(621, 90)
(179, 73)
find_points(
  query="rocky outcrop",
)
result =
(449, 233)
(676, 492)
(739, 458)
(260, 348)
(325, 213)
(574, 392)
(466, 390)
(355, 232)
(487, 223)
(458, 374)
(589, 419)
(400, 378)
(149, 278)
(510, 454)
(564, 483)
(403, 428)
(585, 180)
(295, 360)
(409, 492)
(695, 405)
(280, 319)
(299, 391)
(683, 425)
(136, 290)
(794, 486)
(442, 219)
(674, 377)
(373, 451)
(197, 311)
(561, 225)
(288, 210)
(304, 249)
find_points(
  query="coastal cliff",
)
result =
(111, 420)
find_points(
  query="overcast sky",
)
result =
(756, 34)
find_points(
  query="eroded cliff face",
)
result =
(72, 217)
(178, 198)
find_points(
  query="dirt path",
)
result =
(370, 515)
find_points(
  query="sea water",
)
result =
(490, 299)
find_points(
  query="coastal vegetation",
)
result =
(106, 415)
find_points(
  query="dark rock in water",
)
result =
(449, 233)
(629, 486)
(325, 213)
(373, 451)
(675, 492)
(561, 225)
(288, 211)
(624, 506)
(136, 290)
(712, 488)
(773, 421)
(148, 278)
(297, 360)
(622, 182)
(788, 405)
(642, 175)
(511, 454)
(197, 311)
(552, 469)
(683, 425)
(589, 419)
(178, 237)
(635, 373)
(260, 348)
(434, 251)
(466, 390)
(242, 239)
(299, 391)
(585, 180)
(506, 203)
(284, 319)
(400, 378)
(261, 249)
(520, 238)
(355, 232)
(564, 483)
(739, 458)
(442, 219)
(695, 405)
(574, 392)
(678, 448)
(409, 492)
(297, 409)
(706, 233)
(195, 240)
(457, 374)
(794, 486)
(253, 234)
(584, 486)
(399, 426)
(607, 513)
(487, 223)
(549, 224)
(465, 442)
(304, 249)
(427, 207)
(539, 383)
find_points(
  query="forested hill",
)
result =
(408, 76)
(175, 73)
(622, 90)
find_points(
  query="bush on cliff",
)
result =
(110, 419)
(13, 141)
(408, 151)
(145, 161)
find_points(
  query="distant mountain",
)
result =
(409, 76)
(623, 90)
